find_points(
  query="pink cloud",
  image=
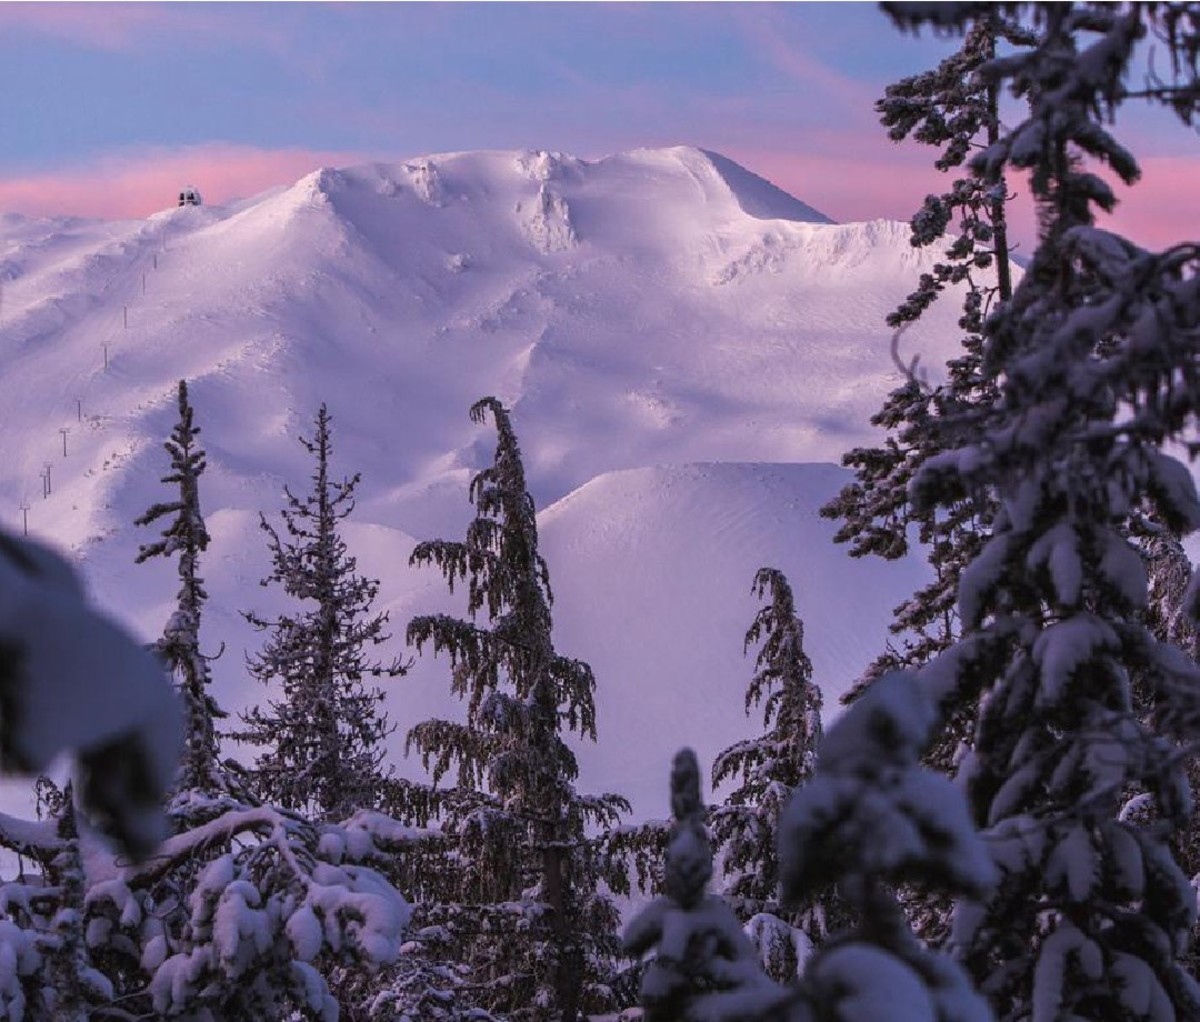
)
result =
(102, 26)
(765, 31)
(852, 181)
(136, 184)
(130, 27)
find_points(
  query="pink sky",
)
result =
(136, 184)
(871, 180)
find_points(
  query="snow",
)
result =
(698, 316)
(874, 985)
(872, 810)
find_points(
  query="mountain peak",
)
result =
(758, 197)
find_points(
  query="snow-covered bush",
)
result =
(270, 905)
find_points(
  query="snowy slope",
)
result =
(654, 308)
(654, 592)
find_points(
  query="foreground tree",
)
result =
(869, 819)
(538, 932)
(769, 767)
(1094, 362)
(1169, 574)
(324, 737)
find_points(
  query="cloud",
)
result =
(773, 40)
(141, 28)
(137, 183)
(114, 27)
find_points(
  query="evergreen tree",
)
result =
(704, 966)
(46, 969)
(874, 820)
(769, 767)
(869, 819)
(539, 934)
(324, 737)
(185, 538)
(954, 108)
(1093, 361)
(1169, 575)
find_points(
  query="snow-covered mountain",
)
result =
(684, 346)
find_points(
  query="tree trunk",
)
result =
(1000, 202)
(567, 967)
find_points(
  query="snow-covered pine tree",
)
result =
(73, 984)
(1095, 364)
(185, 538)
(955, 109)
(46, 968)
(745, 828)
(274, 907)
(704, 966)
(540, 933)
(873, 819)
(869, 819)
(323, 736)
(1169, 574)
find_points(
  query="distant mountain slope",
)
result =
(652, 570)
(653, 308)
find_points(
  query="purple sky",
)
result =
(109, 108)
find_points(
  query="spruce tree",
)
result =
(1169, 576)
(185, 538)
(324, 735)
(704, 966)
(874, 820)
(769, 767)
(1094, 364)
(539, 934)
(869, 819)
(75, 987)
(954, 108)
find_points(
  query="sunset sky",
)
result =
(110, 108)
